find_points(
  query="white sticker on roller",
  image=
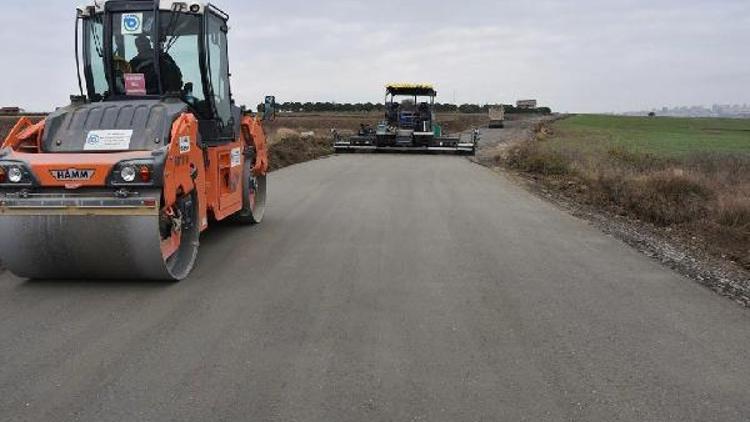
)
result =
(108, 140)
(184, 144)
(132, 23)
(236, 157)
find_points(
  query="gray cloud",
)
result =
(575, 56)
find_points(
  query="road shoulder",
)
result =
(671, 248)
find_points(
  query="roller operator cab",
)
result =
(409, 125)
(120, 183)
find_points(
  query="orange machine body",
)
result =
(120, 183)
(213, 172)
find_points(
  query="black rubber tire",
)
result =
(251, 213)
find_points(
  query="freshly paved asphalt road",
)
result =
(383, 288)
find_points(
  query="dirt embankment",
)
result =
(289, 147)
(7, 123)
(672, 213)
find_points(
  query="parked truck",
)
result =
(497, 117)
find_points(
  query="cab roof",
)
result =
(188, 6)
(411, 89)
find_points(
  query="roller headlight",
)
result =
(15, 174)
(138, 172)
(128, 174)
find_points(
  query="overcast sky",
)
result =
(578, 56)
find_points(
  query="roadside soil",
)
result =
(7, 123)
(681, 251)
(291, 148)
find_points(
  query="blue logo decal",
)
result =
(131, 23)
(93, 139)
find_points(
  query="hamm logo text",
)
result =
(72, 174)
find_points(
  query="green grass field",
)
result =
(690, 173)
(661, 136)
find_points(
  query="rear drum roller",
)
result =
(253, 196)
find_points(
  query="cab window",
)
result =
(219, 67)
(93, 48)
(133, 66)
(180, 49)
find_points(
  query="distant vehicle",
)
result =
(497, 117)
(410, 125)
(269, 110)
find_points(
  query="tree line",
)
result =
(310, 107)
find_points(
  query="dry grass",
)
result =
(735, 213)
(701, 194)
(457, 122)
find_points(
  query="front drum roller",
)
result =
(63, 238)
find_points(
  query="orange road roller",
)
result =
(120, 183)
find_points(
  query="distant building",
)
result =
(732, 111)
(526, 104)
(11, 110)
